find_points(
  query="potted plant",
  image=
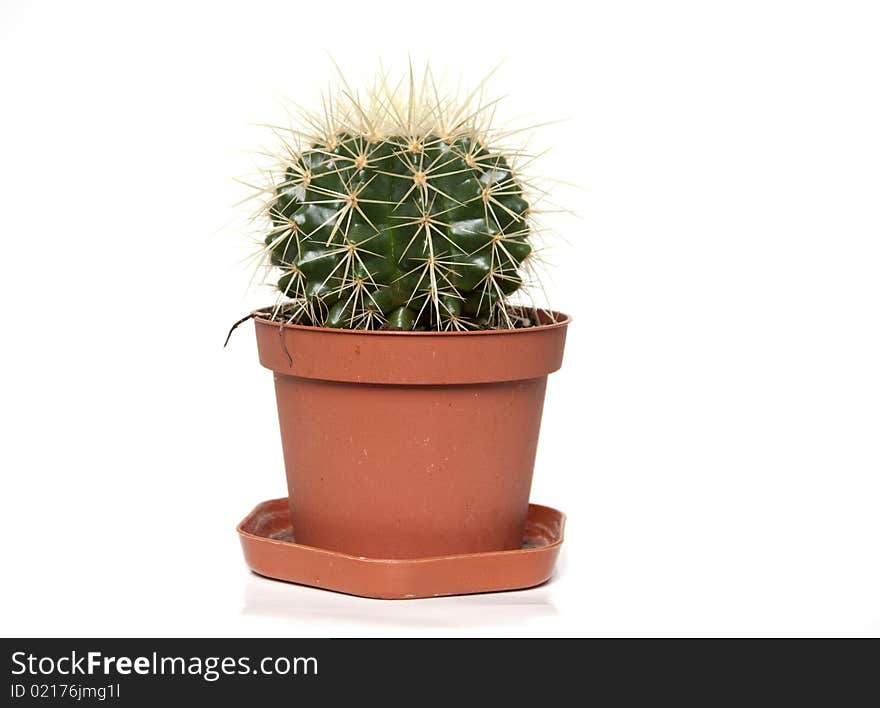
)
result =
(409, 384)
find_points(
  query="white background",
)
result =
(714, 434)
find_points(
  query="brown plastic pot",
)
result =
(410, 444)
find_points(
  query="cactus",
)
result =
(399, 213)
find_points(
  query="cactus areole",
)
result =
(402, 211)
(410, 366)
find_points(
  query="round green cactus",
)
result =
(398, 214)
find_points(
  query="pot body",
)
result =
(408, 445)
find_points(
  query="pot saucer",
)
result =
(270, 549)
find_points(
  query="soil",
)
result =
(520, 317)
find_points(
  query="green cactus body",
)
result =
(401, 230)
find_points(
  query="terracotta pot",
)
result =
(410, 444)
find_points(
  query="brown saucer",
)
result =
(267, 538)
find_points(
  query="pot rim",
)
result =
(561, 320)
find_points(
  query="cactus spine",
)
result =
(398, 212)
